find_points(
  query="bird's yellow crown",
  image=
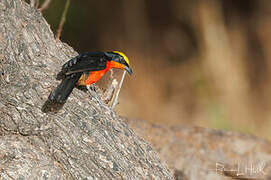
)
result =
(124, 56)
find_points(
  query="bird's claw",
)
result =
(93, 87)
(93, 93)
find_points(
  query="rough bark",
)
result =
(83, 140)
(194, 153)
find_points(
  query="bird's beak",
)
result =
(128, 69)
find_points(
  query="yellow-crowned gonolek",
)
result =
(83, 70)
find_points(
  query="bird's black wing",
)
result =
(89, 61)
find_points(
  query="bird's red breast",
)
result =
(95, 76)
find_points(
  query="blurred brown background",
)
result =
(204, 63)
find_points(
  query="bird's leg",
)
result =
(94, 95)
(93, 87)
(92, 90)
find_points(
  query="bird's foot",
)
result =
(93, 87)
(97, 98)
(92, 90)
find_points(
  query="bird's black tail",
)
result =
(60, 94)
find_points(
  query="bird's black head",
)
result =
(121, 61)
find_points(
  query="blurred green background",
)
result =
(204, 63)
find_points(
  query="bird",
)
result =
(83, 71)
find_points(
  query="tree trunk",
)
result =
(81, 141)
